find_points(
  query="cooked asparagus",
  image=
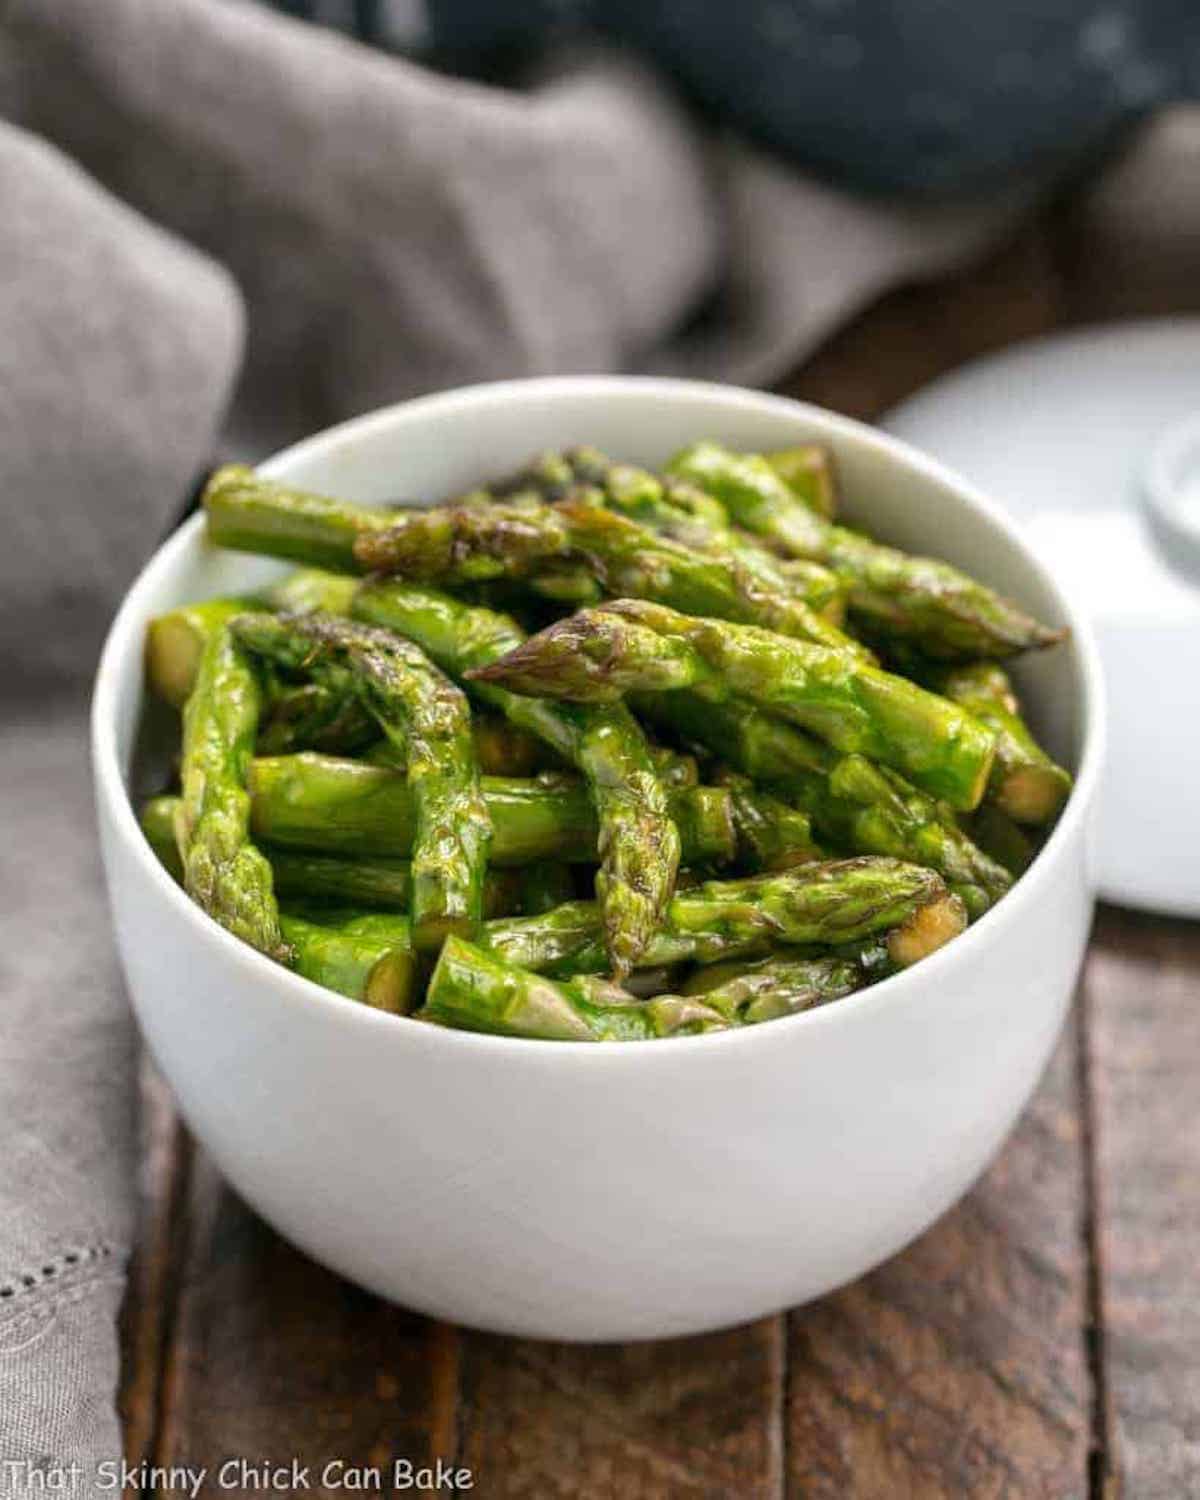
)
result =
(855, 806)
(827, 904)
(947, 614)
(633, 645)
(332, 805)
(368, 882)
(474, 990)
(174, 640)
(771, 833)
(222, 870)
(417, 707)
(638, 843)
(1025, 783)
(462, 545)
(807, 471)
(378, 969)
(252, 514)
(746, 994)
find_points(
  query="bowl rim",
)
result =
(123, 641)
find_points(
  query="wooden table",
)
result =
(1042, 1340)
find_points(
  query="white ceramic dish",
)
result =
(1074, 435)
(568, 1190)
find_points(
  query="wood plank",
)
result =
(1143, 999)
(688, 1419)
(916, 333)
(276, 1359)
(959, 1368)
(151, 1287)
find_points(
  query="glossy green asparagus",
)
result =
(473, 990)
(419, 708)
(369, 882)
(380, 969)
(807, 470)
(252, 514)
(746, 994)
(333, 805)
(633, 645)
(463, 545)
(947, 614)
(772, 834)
(174, 640)
(222, 870)
(638, 842)
(854, 805)
(825, 904)
(1025, 783)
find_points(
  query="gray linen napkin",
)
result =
(119, 347)
(395, 231)
(391, 231)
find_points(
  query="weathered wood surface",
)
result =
(1040, 1341)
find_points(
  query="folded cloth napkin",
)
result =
(119, 350)
(388, 231)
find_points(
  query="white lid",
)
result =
(1092, 441)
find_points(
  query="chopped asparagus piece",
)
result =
(637, 840)
(475, 991)
(332, 805)
(633, 645)
(419, 708)
(947, 614)
(222, 870)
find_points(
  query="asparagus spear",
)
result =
(1001, 839)
(222, 870)
(633, 645)
(371, 882)
(458, 545)
(1025, 783)
(378, 969)
(175, 640)
(947, 614)
(807, 470)
(252, 514)
(683, 511)
(746, 994)
(637, 841)
(422, 710)
(474, 991)
(314, 716)
(771, 834)
(337, 806)
(836, 902)
(853, 804)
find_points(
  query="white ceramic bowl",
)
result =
(568, 1190)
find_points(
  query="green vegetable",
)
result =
(928, 603)
(826, 904)
(1025, 783)
(637, 841)
(380, 970)
(420, 709)
(463, 545)
(222, 870)
(854, 805)
(807, 471)
(635, 646)
(475, 991)
(367, 881)
(332, 805)
(774, 987)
